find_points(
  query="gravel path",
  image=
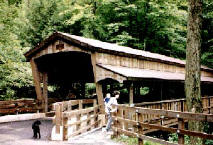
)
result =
(20, 133)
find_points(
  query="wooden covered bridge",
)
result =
(67, 58)
(63, 59)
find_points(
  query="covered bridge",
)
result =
(68, 58)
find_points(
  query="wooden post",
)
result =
(125, 116)
(180, 136)
(131, 93)
(209, 105)
(69, 108)
(58, 117)
(80, 105)
(95, 113)
(100, 96)
(45, 92)
(65, 128)
(140, 129)
(99, 91)
(36, 79)
(78, 116)
(182, 106)
(115, 123)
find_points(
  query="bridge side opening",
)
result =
(64, 75)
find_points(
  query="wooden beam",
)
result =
(131, 93)
(81, 111)
(143, 137)
(100, 96)
(36, 79)
(180, 136)
(58, 117)
(45, 92)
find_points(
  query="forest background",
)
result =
(158, 26)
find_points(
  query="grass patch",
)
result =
(132, 141)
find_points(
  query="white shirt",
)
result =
(108, 107)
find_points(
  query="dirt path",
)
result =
(20, 133)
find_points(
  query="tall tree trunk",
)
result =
(193, 54)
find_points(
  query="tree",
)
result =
(193, 56)
(14, 73)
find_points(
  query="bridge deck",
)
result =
(17, 133)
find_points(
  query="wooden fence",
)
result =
(18, 106)
(76, 117)
(134, 126)
(177, 104)
(22, 106)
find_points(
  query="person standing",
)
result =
(106, 100)
(111, 109)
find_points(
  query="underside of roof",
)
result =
(136, 73)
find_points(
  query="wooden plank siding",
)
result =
(116, 60)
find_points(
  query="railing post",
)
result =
(125, 116)
(180, 136)
(69, 107)
(115, 123)
(78, 116)
(209, 105)
(182, 106)
(65, 128)
(80, 104)
(58, 117)
(140, 129)
(95, 113)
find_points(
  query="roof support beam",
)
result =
(100, 96)
(45, 92)
(36, 78)
(131, 94)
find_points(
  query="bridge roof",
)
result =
(136, 73)
(105, 47)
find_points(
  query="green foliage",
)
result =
(207, 34)
(156, 26)
(127, 140)
(132, 141)
(174, 138)
(144, 91)
(90, 89)
(14, 73)
(153, 25)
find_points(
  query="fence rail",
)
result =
(135, 126)
(22, 106)
(18, 106)
(76, 117)
(177, 104)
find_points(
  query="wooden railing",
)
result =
(76, 117)
(134, 126)
(177, 105)
(18, 106)
(23, 106)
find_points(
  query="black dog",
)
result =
(36, 129)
